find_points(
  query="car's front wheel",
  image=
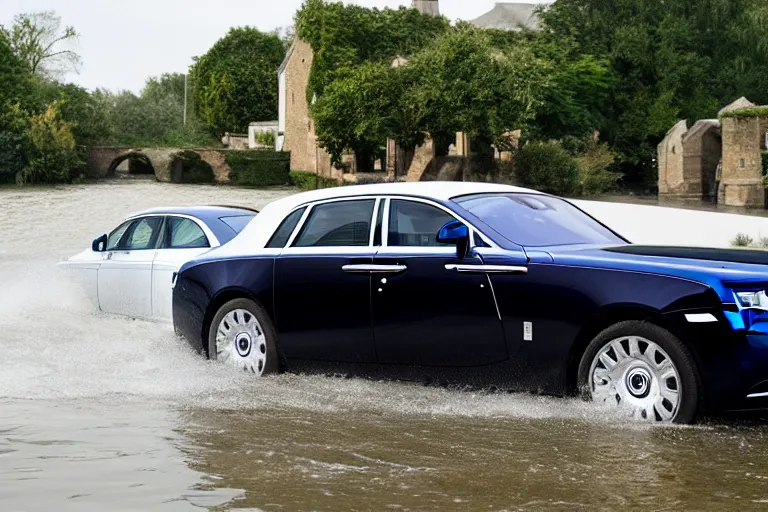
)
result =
(643, 370)
(242, 335)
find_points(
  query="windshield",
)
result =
(533, 220)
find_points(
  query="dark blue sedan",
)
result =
(486, 284)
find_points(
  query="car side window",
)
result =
(339, 224)
(185, 234)
(413, 224)
(284, 232)
(114, 237)
(141, 234)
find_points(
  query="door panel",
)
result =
(125, 275)
(431, 316)
(322, 300)
(323, 312)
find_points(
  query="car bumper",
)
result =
(732, 363)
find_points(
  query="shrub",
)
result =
(259, 168)
(595, 176)
(742, 240)
(53, 156)
(194, 169)
(12, 156)
(305, 180)
(547, 167)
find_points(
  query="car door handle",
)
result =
(369, 268)
(488, 269)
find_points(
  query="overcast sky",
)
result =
(125, 41)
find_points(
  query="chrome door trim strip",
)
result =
(372, 234)
(368, 268)
(490, 269)
(493, 294)
(758, 395)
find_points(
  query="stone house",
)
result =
(716, 159)
(296, 131)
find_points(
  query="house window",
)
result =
(742, 164)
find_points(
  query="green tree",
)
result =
(668, 59)
(346, 36)
(45, 47)
(53, 157)
(234, 82)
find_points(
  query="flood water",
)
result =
(104, 413)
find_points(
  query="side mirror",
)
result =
(100, 244)
(455, 233)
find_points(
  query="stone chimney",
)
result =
(427, 7)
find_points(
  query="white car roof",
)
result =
(257, 234)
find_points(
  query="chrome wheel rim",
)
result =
(637, 376)
(240, 341)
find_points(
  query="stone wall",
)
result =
(671, 161)
(299, 132)
(702, 149)
(741, 183)
(101, 159)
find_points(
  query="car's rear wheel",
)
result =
(642, 370)
(242, 335)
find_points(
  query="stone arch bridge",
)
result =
(104, 161)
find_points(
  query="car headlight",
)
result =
(753, 300)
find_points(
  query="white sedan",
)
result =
(130, 270)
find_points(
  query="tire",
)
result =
(642, 369)
(242, 335)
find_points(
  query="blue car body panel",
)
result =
(473, 325)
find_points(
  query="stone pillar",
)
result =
(391, 165)
(671, 161)
(462, 144)
(430, 7)
(742, 180)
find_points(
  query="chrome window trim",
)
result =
(381, 201)
(374, 218)
(311, 206)
(430, 202)
(161, 216)
(408, 250)
(351, 250)
(488, 269)
(212, 240)
(299, 225)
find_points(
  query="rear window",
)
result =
(237, 222)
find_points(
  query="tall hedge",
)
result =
(259, 168)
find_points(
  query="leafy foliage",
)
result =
(53, 157)
(40, 42)
(547, 167)
(595, 169)
(310, 181)
(746, 113)
(259, 168)
(346, 36)
(667, 59)
(234, 82)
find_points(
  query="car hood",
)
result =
(713, 267)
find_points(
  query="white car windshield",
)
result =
(532, 220)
